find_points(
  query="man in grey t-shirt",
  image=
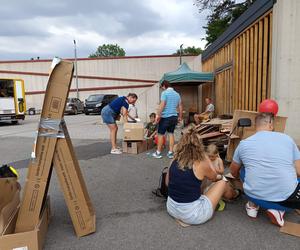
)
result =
(271, 165)
(207, 114)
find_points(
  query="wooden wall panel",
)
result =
(243, 68)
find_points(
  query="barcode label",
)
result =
(55, 104)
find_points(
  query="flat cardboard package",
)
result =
(134, 147)
(54, 148)
(9, 200)
(133, 131)
(30, 240)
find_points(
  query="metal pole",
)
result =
(76, 76)
(181, 53)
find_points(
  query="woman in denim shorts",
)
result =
(189, 168)
(111, 113)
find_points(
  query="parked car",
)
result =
(74, 106)
(95, 103)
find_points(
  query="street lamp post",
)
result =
(76, 76)
(180, 53)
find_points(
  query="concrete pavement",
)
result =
(128, 215)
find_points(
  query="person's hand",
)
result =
(157, 119)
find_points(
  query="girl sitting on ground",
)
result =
(190, 166)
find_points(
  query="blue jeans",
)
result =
(262, 203)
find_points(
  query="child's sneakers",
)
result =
(276, 216)
(156, 155)
(251, 210)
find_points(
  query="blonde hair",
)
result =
(212, 149)
(189, 149)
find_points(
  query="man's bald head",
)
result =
(264, 121)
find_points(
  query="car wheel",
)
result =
(87, 113)
(31, 111)
(14, 122)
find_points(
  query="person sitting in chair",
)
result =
(207, 114)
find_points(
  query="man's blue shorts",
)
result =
(167, 124)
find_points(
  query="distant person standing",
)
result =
(132, 113)
(111, 113)
(168, 114)
(208, 113)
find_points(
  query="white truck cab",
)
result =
(12, 100)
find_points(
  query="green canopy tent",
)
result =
(184, 75)
(186, 82)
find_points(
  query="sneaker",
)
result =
(251, 210)
(170, 155)
(116, 151)
(157, 155)
(276, 216)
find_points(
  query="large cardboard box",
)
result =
(9, 200)
(30, 240)
(134, 147)
(133, 131)
(53, 147)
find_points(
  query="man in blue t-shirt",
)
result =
(271, 165)
(111, 113)
(168, 114)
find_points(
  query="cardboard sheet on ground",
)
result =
(53, 147)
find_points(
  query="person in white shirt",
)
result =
(132, 113)
(207, 114)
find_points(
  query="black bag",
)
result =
(162, 190)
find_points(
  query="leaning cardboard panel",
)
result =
(75, 192)
(30, 240)
(39, 169)
(50, 149)
(243, 133)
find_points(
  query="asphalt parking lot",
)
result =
(128, 215)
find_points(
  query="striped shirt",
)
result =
(172, 99)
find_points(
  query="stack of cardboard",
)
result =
(134, 142)
(53, 147)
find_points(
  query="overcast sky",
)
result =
(46, 28)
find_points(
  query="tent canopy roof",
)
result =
(185, 74)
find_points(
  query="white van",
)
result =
(12, 100)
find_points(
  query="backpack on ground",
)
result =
(162, 190)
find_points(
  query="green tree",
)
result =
(222, 14)
(108, 50)
(190, 51)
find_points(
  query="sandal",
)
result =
(157, 193)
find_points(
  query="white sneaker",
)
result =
(276, 216)
(251, 210)
(116, 151)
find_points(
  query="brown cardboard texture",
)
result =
(49, 150)
(133, 131)
(291, 228)
(31, 240)
(134, 147)
(243, 133)
(9, 200)
(75, 192)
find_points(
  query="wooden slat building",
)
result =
(241, 59)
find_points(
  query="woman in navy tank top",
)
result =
(184, 178)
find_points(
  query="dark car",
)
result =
(74, 106)
(95, 103)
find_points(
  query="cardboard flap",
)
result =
(9, 210)
(291, 228)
